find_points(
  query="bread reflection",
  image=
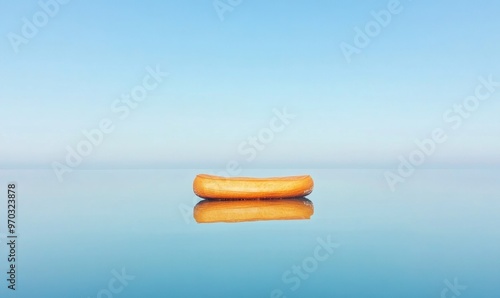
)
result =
(252, 210)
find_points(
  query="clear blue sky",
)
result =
(226, 77)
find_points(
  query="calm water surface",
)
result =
(131, 233)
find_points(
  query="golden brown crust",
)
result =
(222, 188)
(252, 210)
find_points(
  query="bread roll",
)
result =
(222, 188)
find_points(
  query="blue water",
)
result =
(439, 228)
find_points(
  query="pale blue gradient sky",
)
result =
(227, 77)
